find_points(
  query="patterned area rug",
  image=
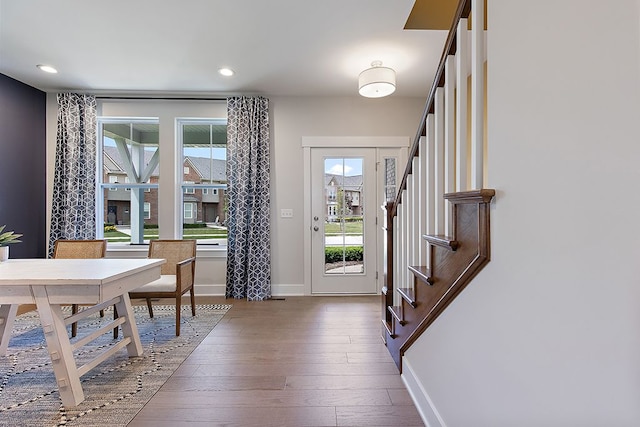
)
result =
(116, 389)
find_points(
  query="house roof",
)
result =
(354, 181)
(204, 167)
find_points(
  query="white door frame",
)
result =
(309, 142)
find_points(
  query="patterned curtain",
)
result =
(248, 219)
(73, 212)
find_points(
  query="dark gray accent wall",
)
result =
(23, 166)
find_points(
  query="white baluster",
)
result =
(431, 179)
(462, 103)
(439, 161)
(449, 136)
(424, 196)
(417, 213)
(410, 230)
(477, 94)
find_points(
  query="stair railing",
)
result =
(445, 172)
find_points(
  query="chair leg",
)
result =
(178, 301)
(74, 325)
(150, 308)
(115, 316)
(193, 302)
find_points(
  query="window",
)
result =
(189, 190)
(204, 160)
(129, 157)
(188, 210)
(114, 180)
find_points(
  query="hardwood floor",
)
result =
(302, 361)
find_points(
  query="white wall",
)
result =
(291, 119)
(549, 333)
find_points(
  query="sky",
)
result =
(343, 166)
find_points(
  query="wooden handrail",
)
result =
(450, 48)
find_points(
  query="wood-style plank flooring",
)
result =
(304, 361)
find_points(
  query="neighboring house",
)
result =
(336, 186)
(200, 204)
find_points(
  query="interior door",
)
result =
(343, 223)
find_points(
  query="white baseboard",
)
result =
(421, 399)
(277, 290)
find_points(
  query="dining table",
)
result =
(51, 284)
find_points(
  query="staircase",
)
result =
(437, 227)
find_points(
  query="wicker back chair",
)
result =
(177, 274)
(80, 249)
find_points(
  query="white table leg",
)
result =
(7, 316)
(59, 347)
(129, 328)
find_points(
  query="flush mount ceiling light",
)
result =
(377, 81)
(47, 68)
(227, 72)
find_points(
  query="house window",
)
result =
(204, 153)
(128, 160)
(147, 210)
(188, 211)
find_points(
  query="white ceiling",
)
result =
(276, 47)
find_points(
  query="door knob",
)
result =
(316, 228)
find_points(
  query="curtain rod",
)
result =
(159, 98)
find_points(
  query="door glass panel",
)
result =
(344, 216)
(390, 178)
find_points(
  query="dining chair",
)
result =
(176, 276)
(80, 249)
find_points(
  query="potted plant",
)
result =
(6, 238)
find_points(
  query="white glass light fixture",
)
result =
(377, 81)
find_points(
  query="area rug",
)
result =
(116, 389)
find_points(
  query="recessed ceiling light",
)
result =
(227, 72)
(47, 68)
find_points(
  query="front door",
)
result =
(343, 223)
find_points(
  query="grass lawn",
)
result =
(152, 234)
(335, 228)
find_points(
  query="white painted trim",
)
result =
(356, 141)
(142, 251)
(428, 412)
(277, 290)
(306, 220)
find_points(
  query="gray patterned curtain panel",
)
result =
(249, 250)
(73, 213)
